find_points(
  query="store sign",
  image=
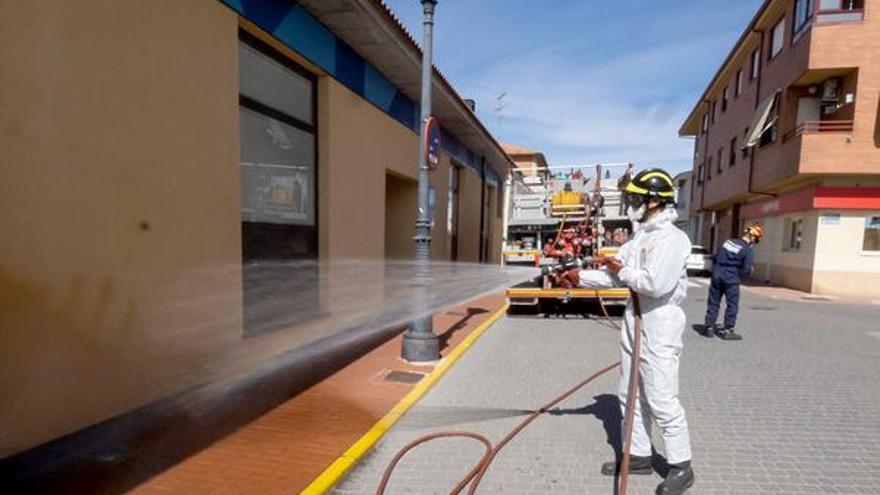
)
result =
(830, 219)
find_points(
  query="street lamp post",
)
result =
(419, 343)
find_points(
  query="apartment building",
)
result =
(158, 155)
(683, 184)
(788, 136)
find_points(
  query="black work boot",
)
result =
(728, 333)
(709, 330)
(678, 480)
(637, 465)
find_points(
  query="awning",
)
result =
(765, 117)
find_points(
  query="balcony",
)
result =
(838, 11)
(820, 127)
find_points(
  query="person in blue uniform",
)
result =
(733, 262)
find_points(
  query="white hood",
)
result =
(660, 220)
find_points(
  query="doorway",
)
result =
(401, 196)
(452, 211)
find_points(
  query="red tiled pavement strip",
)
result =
(285, 449)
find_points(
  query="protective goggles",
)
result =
(635, 200)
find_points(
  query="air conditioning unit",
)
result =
(829, 89)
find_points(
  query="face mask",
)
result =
(636, 214)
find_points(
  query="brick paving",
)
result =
(284, 450)
(791, 409)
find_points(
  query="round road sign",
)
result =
(432, 143)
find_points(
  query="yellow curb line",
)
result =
(344, 463)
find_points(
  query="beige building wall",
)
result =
(358, 146)
(120, 270)
(831, 259)
(841, 266)
(120, 200)
(358, 143)
(775, 261)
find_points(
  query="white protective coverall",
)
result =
(654, 266)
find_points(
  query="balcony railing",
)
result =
(820, 127)
(834, 11)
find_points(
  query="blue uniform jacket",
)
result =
(733, 261)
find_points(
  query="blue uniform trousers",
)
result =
(730, 291)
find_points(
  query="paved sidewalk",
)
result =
(792, 409)
(284, 450)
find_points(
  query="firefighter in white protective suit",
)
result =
(653, 265)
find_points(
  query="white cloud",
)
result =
(578, 85)
(625, 109)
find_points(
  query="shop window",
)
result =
(278, 189)
(793, 235)
(275, 85)
(871, 241)
(777, 38)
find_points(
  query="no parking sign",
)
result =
(432, 143)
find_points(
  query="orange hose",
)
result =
(386, 476)
(475, 476)
(632, 392)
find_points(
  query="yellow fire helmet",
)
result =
(652, 184)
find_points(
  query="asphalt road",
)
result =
(791, 409)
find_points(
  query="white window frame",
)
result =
(800, 24)
(756, 64)
(777, 38)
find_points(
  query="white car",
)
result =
(700, 261)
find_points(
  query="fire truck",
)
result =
(560, 218)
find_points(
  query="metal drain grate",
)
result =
(763, 308)
(404, 377)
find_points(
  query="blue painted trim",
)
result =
(492, 177)
(291, 24)
(459, 152)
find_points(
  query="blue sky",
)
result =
(585, 80)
